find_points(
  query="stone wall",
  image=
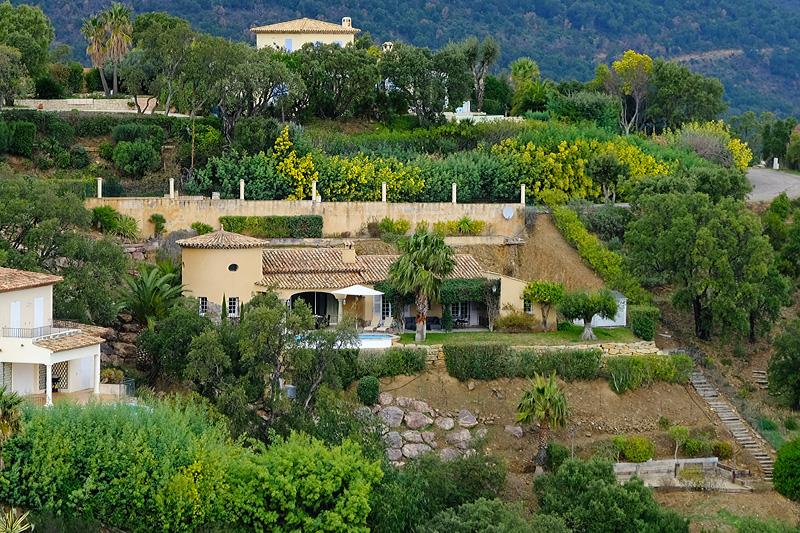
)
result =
(338, 217)
(435, 356)
(100, 105)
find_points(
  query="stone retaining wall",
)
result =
(435, 352)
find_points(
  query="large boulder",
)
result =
(514, 430)
(393, 440)
(394, 454)
(404, 401)
(449, 454)
(385, 398)
(445, 422)
(459, 438)
(412, 436)
(391, 416)
(422, 407)
(412, 451)
(417, 420)
(466, 419)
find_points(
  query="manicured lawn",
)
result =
(571, 335)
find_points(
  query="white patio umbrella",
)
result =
(358, 290)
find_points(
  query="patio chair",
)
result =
(383, 326)
(372, 325)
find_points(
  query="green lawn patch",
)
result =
(570, 335)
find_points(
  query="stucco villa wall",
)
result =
(278, 40)
(206, 273)
(26, 298)
(337, 217)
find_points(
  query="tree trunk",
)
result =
(544, 438)
(545, 312)
(752, 333)
(702, 320)
(104, 81)
(588, 333)
(422, 316)
(116, 80)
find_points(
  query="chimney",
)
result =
(347, 22)
(348, 253)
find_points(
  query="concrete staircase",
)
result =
(742, 432)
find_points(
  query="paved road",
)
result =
(768, 183)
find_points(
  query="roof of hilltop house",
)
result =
(304, 25)
(318, 268)
(221, 240)
(13, 280)
(78, 339)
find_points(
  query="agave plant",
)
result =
(13, 522)
(151, 295)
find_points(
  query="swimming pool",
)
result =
(374, 340)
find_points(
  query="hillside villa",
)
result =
(293, 34)
(37, 354)
(227, 266)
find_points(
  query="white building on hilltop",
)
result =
(293, 34)
(37, 354)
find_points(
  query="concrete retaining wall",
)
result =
(99, 105)
(338, 217)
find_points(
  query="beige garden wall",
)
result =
(338, 217)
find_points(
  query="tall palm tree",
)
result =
(10, 417)
(151, 295)
(119, 29)
(543, 403)
(426, 260)
(94, 31)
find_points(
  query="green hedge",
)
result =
(275, 227)
(23, 135)
(644, 319)
(491, 361)
(787, 470)
(368, 390)
(635, 448)
(602, 260)
(631, 372)
(390, 362)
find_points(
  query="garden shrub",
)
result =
(368, 389)
(159, 222)
(475, 361)
(722, 449)
(135, 158)
(608, 222)
(111, 375)
(22, 138)
(791, 424)
(137, 131)
(556, 455)
(79, 157)
(644, 319)
(408, 497)
(492, 516)
(201, 228)
(391, 226)
(5, 136)
(275, 227)
(635, 448)
(106, 150)
(393, 361)
(48, 88)
(634, 371)
(462, 226)
(569, 365)
(359, 178)
(786, 474)
(262, 180)
(252, 135)
(605, 262)
(697, 447)
(516, 321)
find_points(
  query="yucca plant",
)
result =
(13, 522)
(543, 403)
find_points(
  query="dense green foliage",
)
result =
(490, 361)
(492, 516)
(588, 498)
(643, 319)
(368, 390)
(634, 371)
(172, 465)
(275, 227)
(635, 448)
(784, 366)
(392, 361)
(786, 476)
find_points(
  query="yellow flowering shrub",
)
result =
(359, 178)
(300, 171)
(638, 163)
(740, 154)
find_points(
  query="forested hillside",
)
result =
(760, 65)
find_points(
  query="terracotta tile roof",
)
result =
(221, 240)
(323, 268)
(69, 342)
(304, 25)
(12, 280)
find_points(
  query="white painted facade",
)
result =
(26, 366)
(619, 320)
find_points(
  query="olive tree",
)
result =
(585, 305)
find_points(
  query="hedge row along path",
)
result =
(742, 432)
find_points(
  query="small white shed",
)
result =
(619, 320)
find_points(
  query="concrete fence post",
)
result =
(172, 188)
(383, 192)
(454, 199)
(99, 187)
(522, 194)
(313, 191)
(775, 164)
(241, 189)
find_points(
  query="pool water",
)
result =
(374, 340)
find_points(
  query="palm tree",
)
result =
(544, 403)
(151, 295)
(94, 31)
(10, 417)
(119, 29)
(426, 260)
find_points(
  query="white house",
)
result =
(38, 354)
(293, 34)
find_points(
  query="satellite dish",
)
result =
(508, 213)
